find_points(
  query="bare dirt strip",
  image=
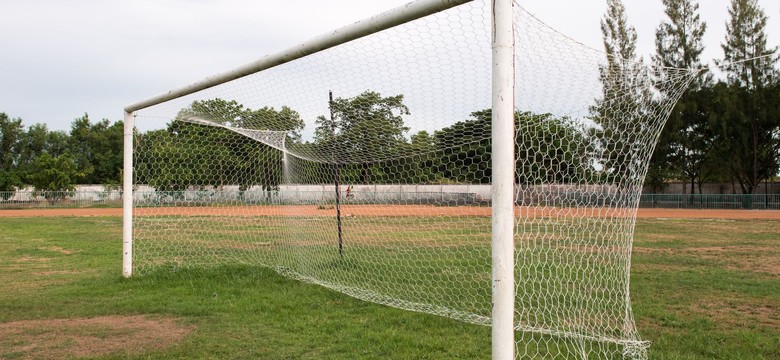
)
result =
(100, 336)
(393, 210)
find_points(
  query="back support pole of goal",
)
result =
(502, 181)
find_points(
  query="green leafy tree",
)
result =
(36, 141)
(366, 131)
(465, 147)
(424, 165)
(749, 120)
(33, 144)
(190, 154)
(748, 123)
(231, 113)
(11, 132)
(259, 163)
(97, 146)
(163, 161)
(55, 176)
(549, 150)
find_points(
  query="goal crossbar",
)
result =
(386, 20)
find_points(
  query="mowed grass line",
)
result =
(700, 290)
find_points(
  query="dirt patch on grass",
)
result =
(32, 259)
(68, 338)
(743, 315)
(656, 267)
(764, 259)
(57, 272)
(245, 246)
(58, 249)
(750, 258)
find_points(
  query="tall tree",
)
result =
(747, 59)
(750, 120)
(621, 109)
(686, 142)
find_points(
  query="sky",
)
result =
(61, 59)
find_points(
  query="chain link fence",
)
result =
(59, 199)
(711, 201)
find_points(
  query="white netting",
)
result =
(383, 192)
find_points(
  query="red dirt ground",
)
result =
(388, 210)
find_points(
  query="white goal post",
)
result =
(503, 105)
(453, 157)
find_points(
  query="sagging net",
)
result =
(366, 168)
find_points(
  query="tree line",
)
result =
(720, 131)
(90, 153)
(726, 130)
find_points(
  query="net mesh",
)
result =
(366, 168)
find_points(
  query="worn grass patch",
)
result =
(74, 338)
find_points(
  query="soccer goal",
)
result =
(452, 157)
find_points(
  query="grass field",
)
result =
(701, 289)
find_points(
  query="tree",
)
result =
(678, 42)
(465, 148)
(11, 131)
(191, 154)
(231, 113)
(686, 142)
(39, 140)
(164, 162)
(55, 176)
(424, 166)
(749, 119)
(97, 148)
(259, 163)
(367, 130)
(747, 60)
(549, 150)
(748, 122)
(625, 100)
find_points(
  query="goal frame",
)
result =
(503, 134)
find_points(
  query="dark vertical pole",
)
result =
(337, 175)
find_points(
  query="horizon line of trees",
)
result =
(719, 131)
(90, 153)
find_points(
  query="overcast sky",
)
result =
(60, 59)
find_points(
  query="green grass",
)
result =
(700, 290)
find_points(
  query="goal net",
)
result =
(366, 168)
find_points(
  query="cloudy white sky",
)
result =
(61, 59)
